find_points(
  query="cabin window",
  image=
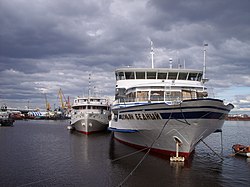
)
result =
(193, 94)
(129, 75)
(131, 97)
(120, 76)
(172, 75)
(151, 75)
(199, 77)
(142, 95)
(157, 96)
(182, 76)
(115, 117)
(162, 75)
(173, 96)
(120, 92)
(140, 75)
(192, 76)
(201, 95)
(77, 107)
(186, 94)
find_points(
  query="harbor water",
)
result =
(45, 153)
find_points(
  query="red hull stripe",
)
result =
(87, 133)
(159, 151)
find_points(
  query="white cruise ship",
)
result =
(165, 109)
(90, 114)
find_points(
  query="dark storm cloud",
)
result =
(42, 28)
(46, 45)
(196, 21)
(225, 12)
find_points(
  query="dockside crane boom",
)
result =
(65, 103)
(47, 105)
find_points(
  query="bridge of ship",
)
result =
(137, 85)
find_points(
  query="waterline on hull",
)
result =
(154, 150)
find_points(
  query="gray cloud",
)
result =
(46, 45)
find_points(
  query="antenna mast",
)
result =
(89, 85)
(204, 79)
(152, 54)
(204, 62)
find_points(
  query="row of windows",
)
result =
(84, 101)
(159, 75)
(163, 96)
(91, 107)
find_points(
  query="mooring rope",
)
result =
(201, 139)
(183, 115)
(145, 155)
(35, 182)
(131, 173)
(130, 154)
(212, 149)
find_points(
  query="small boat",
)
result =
(241, 150)
(5, 117)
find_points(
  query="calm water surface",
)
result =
(45, 153)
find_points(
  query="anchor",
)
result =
(177, 158)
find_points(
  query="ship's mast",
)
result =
(204, 79)
(152, 54)
(204, 61)
(89, 87)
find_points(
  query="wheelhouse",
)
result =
(162, 74)
(90, 104)
(158, 85)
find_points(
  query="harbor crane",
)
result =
(65, 103)
(47, 105)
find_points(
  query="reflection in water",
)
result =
(80, 146)
(118, 151)
(45, 153)
(134, 166)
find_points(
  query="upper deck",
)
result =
(158, 73)
(93, 101)
(160, 84)
(131, 83)
(127, 78)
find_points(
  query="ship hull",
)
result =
(6, 119)
(158, 126)
(89, 123)
(6, 122)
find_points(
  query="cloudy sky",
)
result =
(46, 45)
